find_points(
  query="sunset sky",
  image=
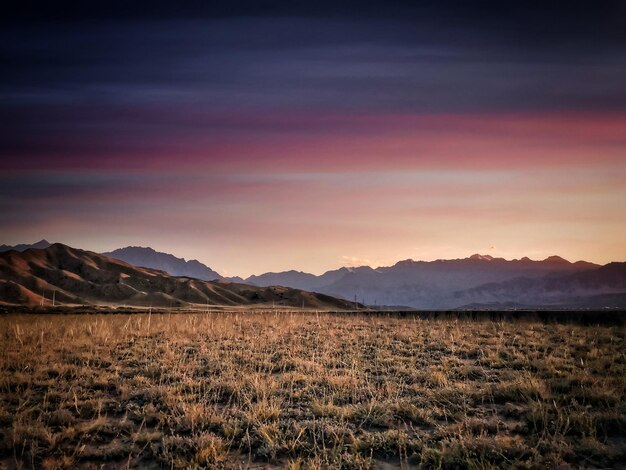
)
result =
(267, 136)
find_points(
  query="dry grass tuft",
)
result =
(306, 391)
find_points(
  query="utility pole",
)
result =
(356, 305)
(54, 296)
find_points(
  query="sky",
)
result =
(266, 136)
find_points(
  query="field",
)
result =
(307, 390)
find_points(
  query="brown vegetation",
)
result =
(307, 390)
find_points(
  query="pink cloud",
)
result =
(288, 142)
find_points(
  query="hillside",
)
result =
(79, 277)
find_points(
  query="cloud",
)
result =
(292, 133)
(355, 261)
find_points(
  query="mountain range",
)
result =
(25, 246)
(78, 277)
(591, 288)
(441, 284)
(479, 281)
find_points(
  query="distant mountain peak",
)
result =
(137, 247)
(405, 262)
(556, 259)
(151, 258)
(480, 257)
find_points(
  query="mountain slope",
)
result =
(83, 277)
(421, 284)
(150, 258)
(24, 246)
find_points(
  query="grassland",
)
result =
(307, 390)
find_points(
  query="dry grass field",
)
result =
(307, 390)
